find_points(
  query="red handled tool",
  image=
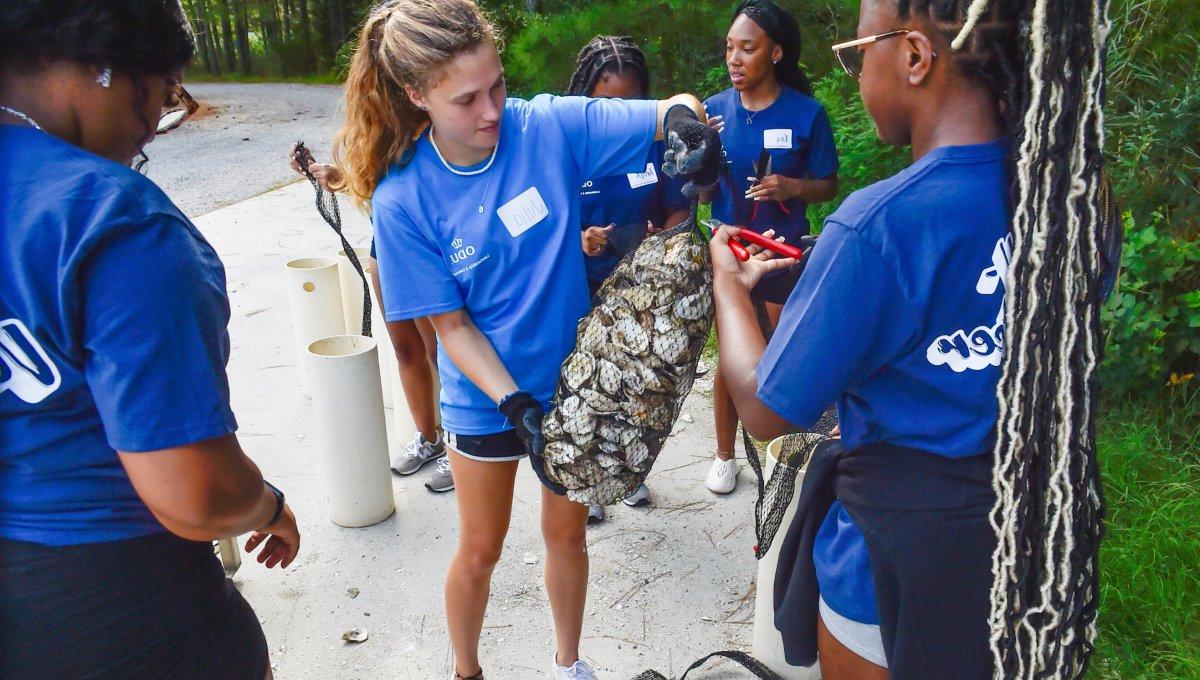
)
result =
(762, 168)
(740, 252)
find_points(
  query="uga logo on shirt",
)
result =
(459, 252)
(983, 346)
(25, 368)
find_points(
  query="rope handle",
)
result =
(758, 668)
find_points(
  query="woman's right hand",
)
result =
(280, 541)
(595, 240)
(717, 123)
(728, 269)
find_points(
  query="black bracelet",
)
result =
(278, 503)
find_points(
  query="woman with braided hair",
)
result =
(474, 198)
(618, 211)
(779, 158)
(971, 275)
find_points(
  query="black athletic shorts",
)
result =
(491, 448)
(152, 607)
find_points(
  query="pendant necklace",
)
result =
(17, 114)
(469, 173)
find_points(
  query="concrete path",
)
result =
(668, 584)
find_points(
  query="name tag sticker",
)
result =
(524, 211)
(641, 179)
(777, 139)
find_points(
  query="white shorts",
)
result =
(864, 639)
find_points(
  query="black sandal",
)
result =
(477, 676)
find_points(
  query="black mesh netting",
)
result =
(327, 205)
(620, 391)
(774, 494)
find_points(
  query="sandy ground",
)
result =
(669, 583)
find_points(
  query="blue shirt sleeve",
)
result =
(155, 316)
(822, 150)
(613, 134)
(406, 255)
(845, 319)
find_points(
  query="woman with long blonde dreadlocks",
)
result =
(892, 567)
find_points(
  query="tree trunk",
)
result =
(306, 35)
(207, 46)
(243, 36)
(227, 35)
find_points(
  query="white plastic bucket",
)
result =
(351, 434)
(767, 640)
(315, 298)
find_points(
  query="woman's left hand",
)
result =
(771, 188)
(728, 270)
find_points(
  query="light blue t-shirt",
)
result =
(517, 266)
(795, 131)
(899, 319)
(113, 318)
(628, 201)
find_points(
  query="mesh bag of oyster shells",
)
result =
(775, 493)
(635, 358)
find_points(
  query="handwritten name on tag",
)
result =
(777, 139)
(524, 211)
(641, 179)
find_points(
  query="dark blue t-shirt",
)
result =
(113, 317)
(503, 242)
(627, 201)
(795, 131)
(899, 319)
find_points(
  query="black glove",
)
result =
(693, 150)
(805, 244)
(524, 413)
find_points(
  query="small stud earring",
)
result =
(105, 78)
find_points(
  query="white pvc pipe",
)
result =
(315, 297)
(402, 419)
(352, 289)
(389, 371)
(351, 432)
(768, 641)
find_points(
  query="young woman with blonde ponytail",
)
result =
(475, 203)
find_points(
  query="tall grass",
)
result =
(1149, 452)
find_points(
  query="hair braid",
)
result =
(607, 54)
(1045, 62)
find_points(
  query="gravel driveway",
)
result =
(236, 147)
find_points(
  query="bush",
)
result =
(1152, 320)
(863, 158)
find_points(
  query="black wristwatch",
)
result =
(278, 503)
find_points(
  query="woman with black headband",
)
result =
(779, 158)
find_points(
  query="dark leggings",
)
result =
(152, 607)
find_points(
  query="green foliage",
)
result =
(683, 40)
(1154, 112)
(1152, 320)
(863, 159)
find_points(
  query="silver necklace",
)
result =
(17, 114)
(469, 173)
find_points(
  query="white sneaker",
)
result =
(722, 476)
(578, 671)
